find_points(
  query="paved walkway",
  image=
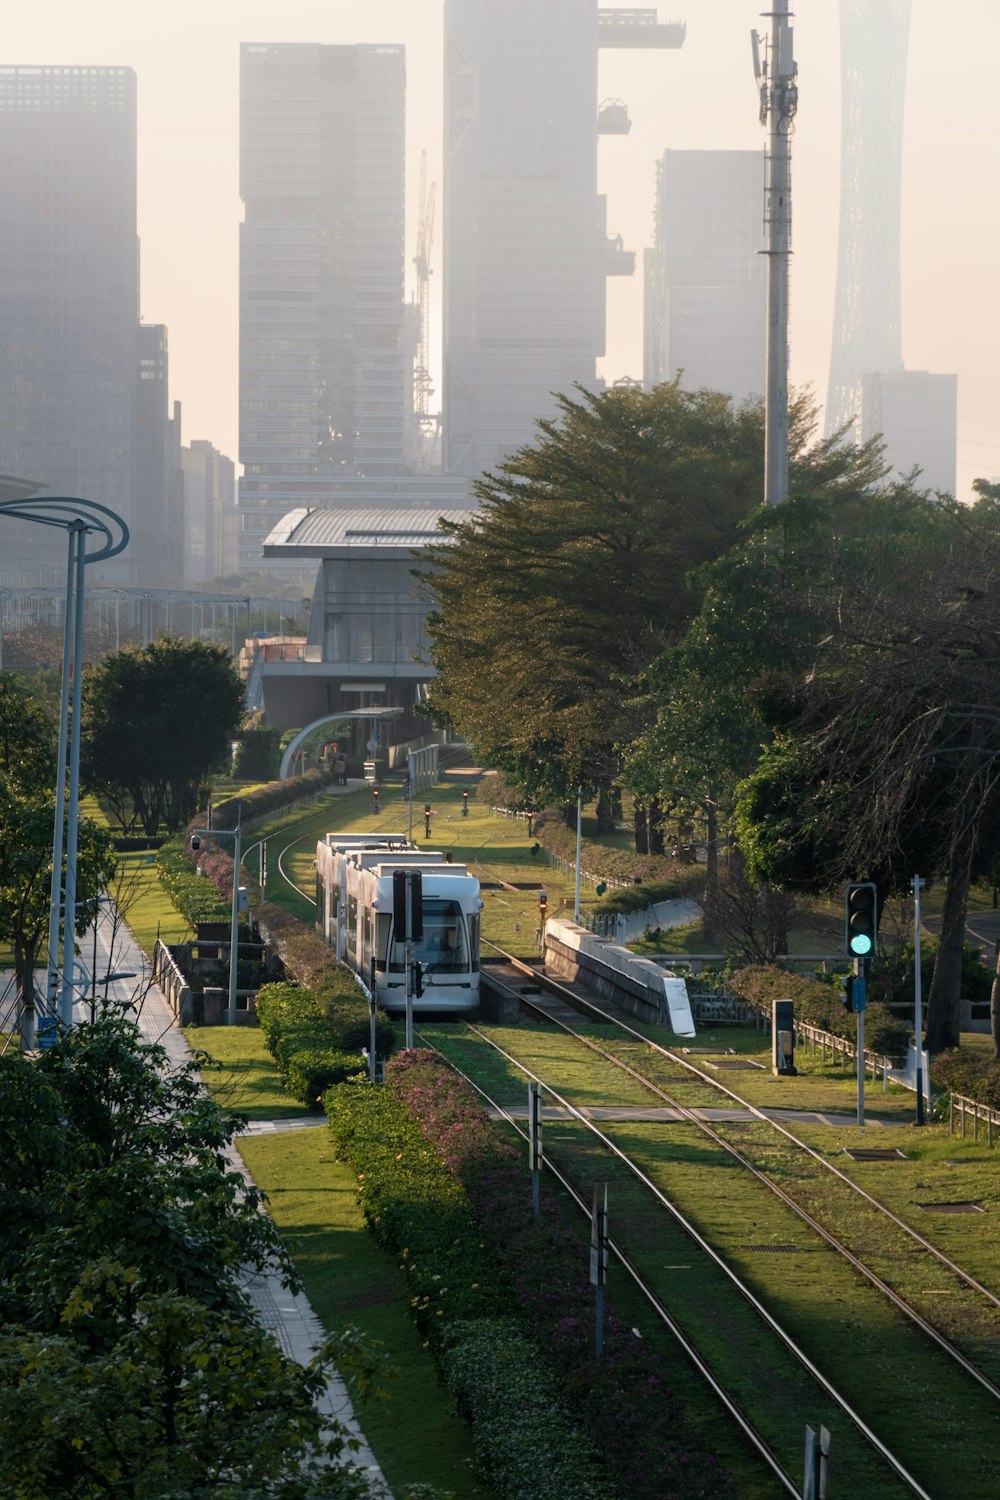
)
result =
(289, 1318)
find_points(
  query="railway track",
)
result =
(685, 1103)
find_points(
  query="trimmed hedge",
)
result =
(306, 957)
(492, 1370)
(442, 1189)
(274, 797)
(818, 1003)
(195, 898)
(309, 1049)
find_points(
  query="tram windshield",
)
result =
(444, 947)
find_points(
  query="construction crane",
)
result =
(422, 387)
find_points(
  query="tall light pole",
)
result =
(80, 519)
(918, 1005)
(776, 73)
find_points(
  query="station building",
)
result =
(366, 645)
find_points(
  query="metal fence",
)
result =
(972, 1109)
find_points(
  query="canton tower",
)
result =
(866, 328)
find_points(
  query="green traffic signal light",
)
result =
(861, 918)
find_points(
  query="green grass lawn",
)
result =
(246, 1080)
(415, 1435)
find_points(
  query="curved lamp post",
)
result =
(80, 519)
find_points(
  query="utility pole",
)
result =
(779, 95)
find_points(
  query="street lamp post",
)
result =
(234, 928)
(79, 518)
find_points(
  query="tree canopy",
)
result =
(157, 720)
(131, 1364)
(574, 575)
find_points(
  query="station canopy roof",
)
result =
(328, 533)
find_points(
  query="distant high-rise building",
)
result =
(706, 276)
(156, 548)
(209, 513)
(917, 415)
(69, 290)
(526, 248)
(867, 335)
(321, 276)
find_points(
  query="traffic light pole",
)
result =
(860, 1000)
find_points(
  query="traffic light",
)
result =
(465, 803)
(543, 904)
(847, 991)
(601, 887)
(861, 919)
(195, 841)
(375, 795)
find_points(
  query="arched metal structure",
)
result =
(80, 519)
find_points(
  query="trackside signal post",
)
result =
(599, 1260)
(534, 1141)
(408, 927)
(860, 933)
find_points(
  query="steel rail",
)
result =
(872, 1437)
(703, 1368)
(596, 1012)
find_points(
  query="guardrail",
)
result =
(978, 1111)
(843, 1050)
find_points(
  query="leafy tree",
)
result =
(27, 738)
(26, 876)
(130, 1363)
(573, 577)
(157, 720)
(887, 757)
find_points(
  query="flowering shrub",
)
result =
(273, 797)
(435, 1178)
(195, 898)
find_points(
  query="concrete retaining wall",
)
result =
(613, 972)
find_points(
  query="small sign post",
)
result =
(817, 1459)
(599, 1260)
(534, 1142)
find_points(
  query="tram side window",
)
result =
(473, 921)
(352, 926)
(334, 901)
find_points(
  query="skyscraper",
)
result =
(706, 276)
(321, 275)
(526, 248)
(867, 335)
(69, 288)
(524, 227)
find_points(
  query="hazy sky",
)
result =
(186, 58)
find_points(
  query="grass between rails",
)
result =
(847, 1326)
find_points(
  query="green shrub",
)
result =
(818, 1002)
(303, 1043)
(195, 897)
(975, 1075)
(259, 755)
(527, 1442)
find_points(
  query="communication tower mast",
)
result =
(775, 73)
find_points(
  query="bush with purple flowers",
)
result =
(437, 1177)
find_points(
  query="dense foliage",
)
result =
(131, 1365)
(818, 1002)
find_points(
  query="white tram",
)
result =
(354, 913)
